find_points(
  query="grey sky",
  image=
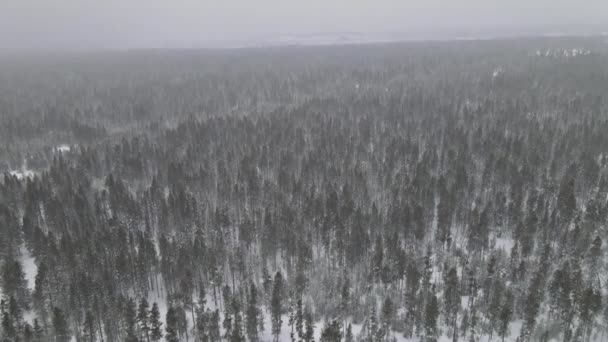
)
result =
(90, 24)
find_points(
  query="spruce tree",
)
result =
(214, 326)
(309, 333)
(237, 327)
(156, 332)
(143, 318)
(506, 313)
(89, 327)
(388, 313)
(332, 332)
(252, 314)
(60, 326)
(227, 323)
(28, 333)
(171, 326)
(349, 334)
(130, 317)
(431, 313)
(39, 334)
(9, 328)
(276, 305)
(202, 314)
(299, 319)
(451, 301)
(14, 283)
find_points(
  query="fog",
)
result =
(119, 24)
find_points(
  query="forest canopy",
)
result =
(421, 191)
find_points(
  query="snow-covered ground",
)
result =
(21, 174)
(30, 270)
(63, 148)
(28, 262)
(504, 243)
(29, 267)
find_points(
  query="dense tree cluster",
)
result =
(407, 189)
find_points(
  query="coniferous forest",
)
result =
(419, 191)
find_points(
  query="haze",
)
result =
(119, 24)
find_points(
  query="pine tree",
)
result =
(349, 334)
(252, 314)
(237, 334)
(60, 326)
(214, 326)
(276, 305)
(299, 319)
(443, 214)
(590, 305)
(452, 301)
(411, 299)
(594, 257)
(130, 317)
(310, 327)
(345, 298)
(464, 324)
(89, 327)
(494, 306)
(39, 335)
(143, 318)
(8, 327)
(473, 325)
(532, 306)
(266, 282)
(28, 333)
(291, 319)
(14, 283)
(506, 313)
(171, 325)
(431, 313)
(14, 310)
(388, 313)
(156, 332)
(372, 324)
(332, 332)
(202, 314)
(378, 258)
(566, 199)
(227, 324)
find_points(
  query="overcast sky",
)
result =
(120, 24)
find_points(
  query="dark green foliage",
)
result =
(252, 314)
(332, 332)
(431, 314)
(156, 332)
(61, 330)
(130, 318)
(171, 327)
(276, 305)
(377, 185)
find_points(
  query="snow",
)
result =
(497, 72)
(566, 52)
(503, 243)
(63, 148)
(29, 267)
(29, 316)
(266, 335)
(21, 174)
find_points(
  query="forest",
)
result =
(417, 191)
